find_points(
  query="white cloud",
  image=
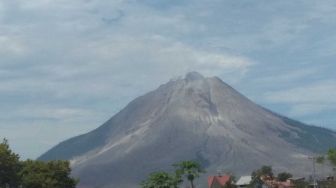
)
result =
(169, 55)
(98, 55)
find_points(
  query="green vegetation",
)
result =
(301, 184)
(161, 180)
(188, 169)
(283, 176)
(332, 156)
(257, 174)
(53, 174)
(9, 165)
(263, 171)
(32, 174)
(320, 160)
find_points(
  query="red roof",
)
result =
(222, 180)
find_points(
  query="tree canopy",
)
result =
(9, 165)
(32, 174)
(283, 176)
(263, 171)
(52, 174)
(190, 169)
(161, 180)
(332, 156)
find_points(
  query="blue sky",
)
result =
(68, 66)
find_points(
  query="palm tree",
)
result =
(161, 180)
(190, 169)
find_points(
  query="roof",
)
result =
(296, 178)
(244, 180)
(222, 180)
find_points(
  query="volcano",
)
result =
(191, 118)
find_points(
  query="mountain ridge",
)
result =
(194, 117)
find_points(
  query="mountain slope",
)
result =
(192, 118)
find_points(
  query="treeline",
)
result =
(184, 170)
(15, 173)
(190, 170)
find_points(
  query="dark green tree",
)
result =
(52, 174)
(301, 184)
(161, 180)
(32, 174)
(332, 156)
(283, 176)
(320, 159)
(263, 171)
(9, 166)
(257, 174)
(189, 169)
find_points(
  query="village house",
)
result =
(244, 181)
(274, 183)
(219, 181)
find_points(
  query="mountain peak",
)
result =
(191, 76)
(198, 118)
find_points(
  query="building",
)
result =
(244, 181)
(273, 183)
(219, 181)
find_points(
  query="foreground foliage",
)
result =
(283, 176)
(332, 156)
(9, 166)
(257, 174)
(161, 180)
(188, 169)
(32, 174)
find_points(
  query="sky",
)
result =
(68, 66)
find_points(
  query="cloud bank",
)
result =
(67, 66)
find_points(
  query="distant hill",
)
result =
(191, 118)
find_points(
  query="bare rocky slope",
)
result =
(194, 118)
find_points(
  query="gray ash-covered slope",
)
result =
(195, 118)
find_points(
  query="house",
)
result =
(273, 183)
(219, 181)
(244, 181)
(285, 184)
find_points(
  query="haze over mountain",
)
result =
(195, 118)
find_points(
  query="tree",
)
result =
(52, 174)
(263, 171)
(332, 156)
(257, 174)
(32, 174)
(161, 180)
(283, 176)
(189, 169)
(255, 182)
(320, 159)
(9, 166)
(301, 184)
